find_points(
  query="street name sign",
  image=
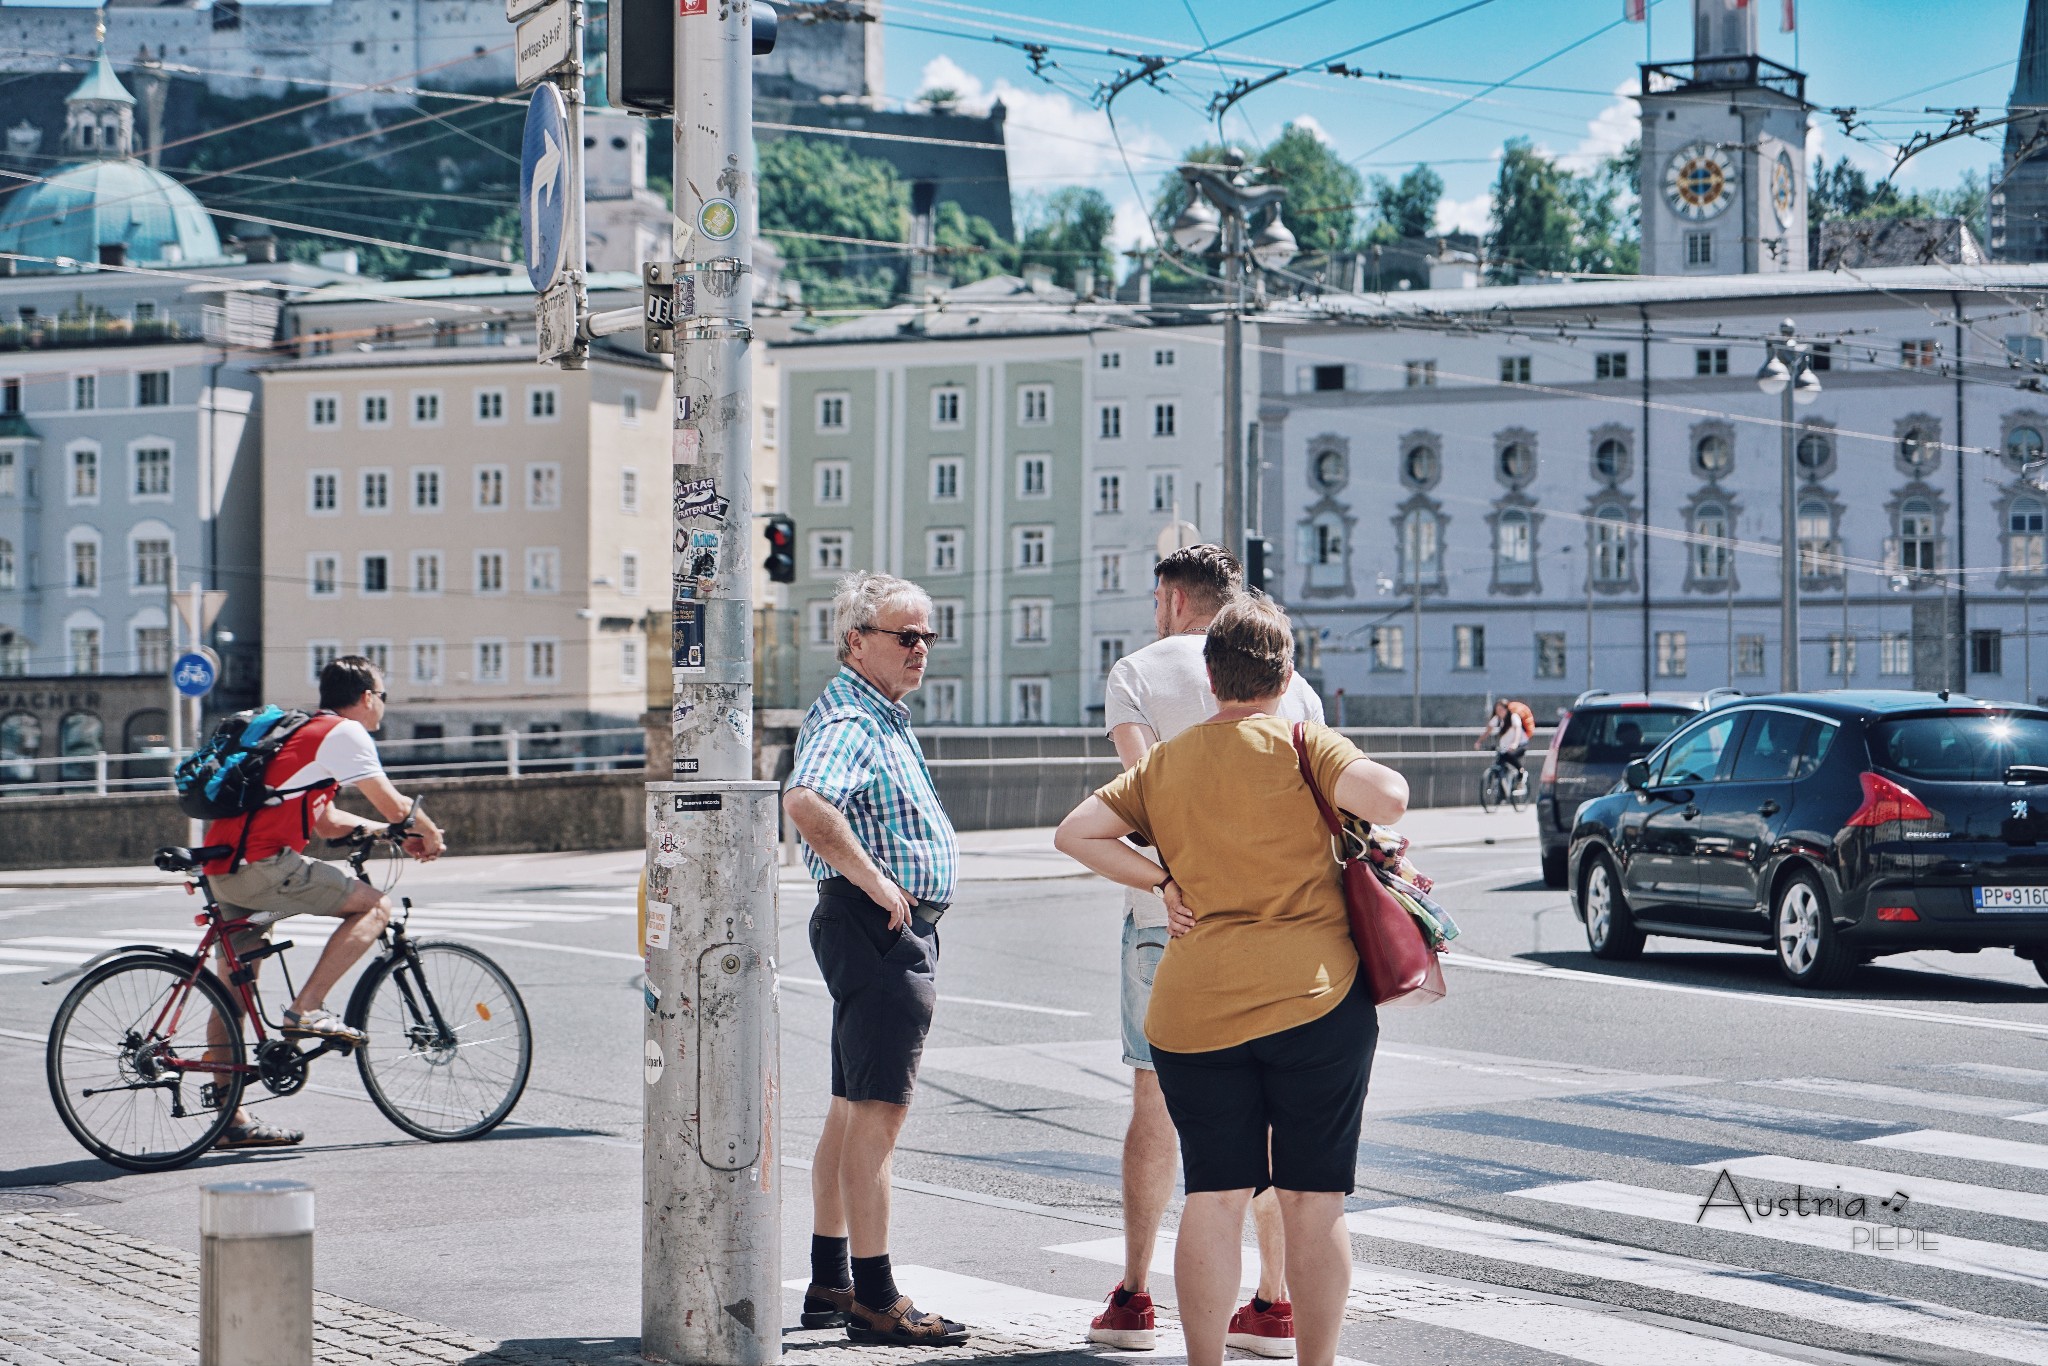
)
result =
(195, 674)
(554, 322)
(519, 9)
(545, 163)
(542, 43)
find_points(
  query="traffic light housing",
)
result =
(640, 43)
(781, 536)
(1258, 570)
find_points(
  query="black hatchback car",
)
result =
(1831, 828)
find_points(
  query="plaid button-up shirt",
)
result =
(856, 751)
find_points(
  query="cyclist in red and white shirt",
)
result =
(274, 877)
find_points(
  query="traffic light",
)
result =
(781, 561)
(640, 71)
(1258, 551)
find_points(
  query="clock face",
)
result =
(1784, 188)
(1699, 182)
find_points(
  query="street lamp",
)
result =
(1787, 375)
(1223, 204)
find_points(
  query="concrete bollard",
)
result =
(256, 1274)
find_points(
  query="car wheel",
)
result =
(1810, 954)
(1554, 864)
(1610, 930)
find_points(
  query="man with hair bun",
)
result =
(885, 856)
(1153, 695)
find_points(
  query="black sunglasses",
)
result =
(909, 640)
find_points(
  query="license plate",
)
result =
(2011, 898)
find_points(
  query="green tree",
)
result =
(811, 186)
(977, 250)
(1406, 207)
(1324, 192)
(1067, 230)
(1607, 232)
(1534, 220)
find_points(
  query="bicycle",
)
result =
(449, 1045)
(1495, 785)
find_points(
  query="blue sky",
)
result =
(1888, 58)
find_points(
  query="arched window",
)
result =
(1513, 548)
(80, 734)
(1919, 448)
(1517, 462)
(1916, 536)
(1610, 460)
(147, 732)
(21, 735)
(7, 579)
(1610, 544)
(1816, 538)
(1713, 456)
(2023, 446)
(2025, 523)
(1710, 548)
(1419, 467)
(1814, 453)
(1421, 547)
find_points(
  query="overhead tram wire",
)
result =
(1244, 86)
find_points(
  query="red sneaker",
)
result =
(1270, 1334)
(1129, 1326)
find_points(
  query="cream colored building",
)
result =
(492, 531)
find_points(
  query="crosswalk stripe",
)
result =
(90, 945)
(538, 909)
(505, 914)
(1970, 1147)
(1715, 1110)
(16, 967)
(1987, 1071)
(1593, 1334)
(1969, 1256)
(1994, 1106)
(1795, 1171)
(12, 954)
(1853, 1311)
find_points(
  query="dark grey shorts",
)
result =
(883, 985)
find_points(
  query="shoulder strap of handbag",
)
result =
(1301, 753)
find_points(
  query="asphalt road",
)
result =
(1536, 1151)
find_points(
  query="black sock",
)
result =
(1122, 1296)
(874, 1282)
(1260, 1306)
(828, 1262)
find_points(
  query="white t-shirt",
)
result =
(1165, 686)
(346, 755)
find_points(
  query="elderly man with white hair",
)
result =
(883, 851)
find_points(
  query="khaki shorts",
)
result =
(285, 884)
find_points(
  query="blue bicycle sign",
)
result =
(194, 674)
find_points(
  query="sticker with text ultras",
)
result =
(689, 637)
(700, 801)
(699, 498)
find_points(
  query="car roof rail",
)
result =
(1589, 694)
(1713, 697)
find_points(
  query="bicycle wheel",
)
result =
(1489, 789)
(106, 1063)
(450, 1044)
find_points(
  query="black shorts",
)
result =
(883, 989)
(1305, 1086)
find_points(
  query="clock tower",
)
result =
(1723, 154)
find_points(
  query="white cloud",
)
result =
(1307, 123)
(1464, 215)
(1053, 142)
(1607, 132)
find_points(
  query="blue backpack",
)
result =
(224, 776)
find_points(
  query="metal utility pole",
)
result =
(711, 1267)
(1788, 375)
(1413, 528)
(1222, 203)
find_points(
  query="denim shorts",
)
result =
(1143, 948)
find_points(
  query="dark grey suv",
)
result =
(1594, 741)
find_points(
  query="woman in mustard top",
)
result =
(1260, 1029)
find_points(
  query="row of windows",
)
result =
(832, 411)
(98, 393)
(149, 561)
(939, 701)
(148, 479)
(426, 661)
(428, 573)
(1030, 551)
(85, 653)
(425, 489)
(1030, 621)
(1163, 358)
(1388, 648)
(830, 481)
(1519, 369)
(487, 407)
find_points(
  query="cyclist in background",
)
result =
(1509, 728)
(274, 878)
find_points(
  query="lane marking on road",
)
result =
(1092, 1069)
(1744, 1114)
(1824, 1176)
(968, 1197)
(818, 984)
(1583, 1138)
(1464, 960)
(1610, 1336)
(1494, 876)
(531, 910)
(1970, 1147)
(1994, 1106)
(550, 948)
(9, 953)
(1987, 1071)
(1951, 1252)
(1855, 1311)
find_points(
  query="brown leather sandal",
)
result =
(901, 1325)
(826, 1306)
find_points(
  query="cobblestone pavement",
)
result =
(73, 1291)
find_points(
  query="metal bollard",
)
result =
(256, 1274)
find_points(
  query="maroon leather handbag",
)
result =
(1394, 956)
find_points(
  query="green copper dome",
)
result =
(84, 207)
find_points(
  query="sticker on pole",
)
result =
(700, 801)
(544, 167)
(657, 924)
(656, 1064)
(554, 322)
(718, 219)
(195, 674)
(686, 8)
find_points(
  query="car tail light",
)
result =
(1897, 913)
(1884, 800)
(1548, 778)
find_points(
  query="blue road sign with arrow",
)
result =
(544, 167)
(194, 674)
